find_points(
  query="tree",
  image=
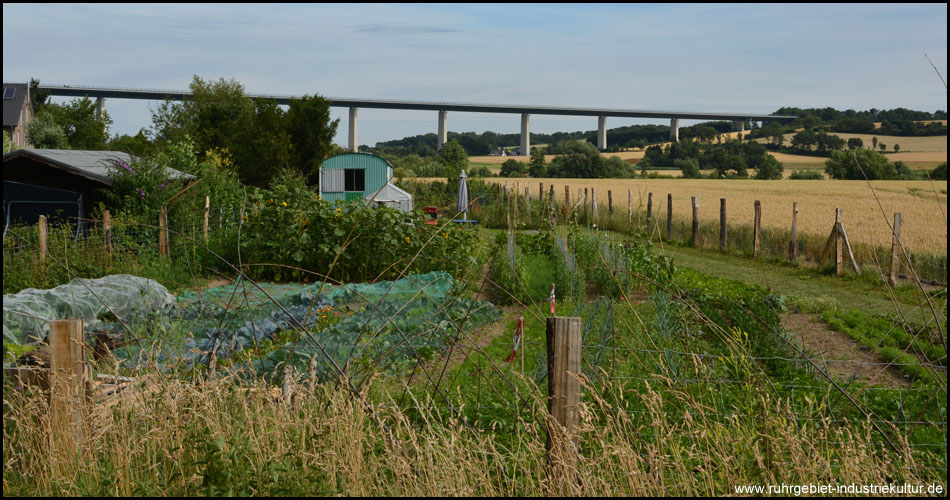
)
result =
(882, 146)
(7, 143)
(37, 97)
(513, 168)
(874, 142)
(137, 145)
(804, 140)
(769, 169)
(311, 131)
(874, 165)
(453, 158)
(855, 143)
(537, 167)
(897, 148)
(44, 133)
(903, 171)
(689, 167)
(579, 159)
(80, 122)
(940, 172)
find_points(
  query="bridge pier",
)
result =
(601, 133)
(740, 126)
(100, 107)
(674, 129)
(525, 135)
(353, 146)
(443, 133)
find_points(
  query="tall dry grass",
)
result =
(182, 438)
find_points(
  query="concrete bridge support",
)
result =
(443, 132)
(100, 107)
(740, 126)
(525, 135)
(601, 133)
(674, 129)
(353, 146)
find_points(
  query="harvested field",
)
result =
(924, 226)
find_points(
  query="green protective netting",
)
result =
(360, 327)
(26, 314)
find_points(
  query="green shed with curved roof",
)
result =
(361, 176)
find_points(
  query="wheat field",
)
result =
(922, 204)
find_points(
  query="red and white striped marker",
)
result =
(519, 332)
(552, 298)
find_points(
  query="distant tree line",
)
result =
(730, 159)
(899, 122)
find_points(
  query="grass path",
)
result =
(846, 293)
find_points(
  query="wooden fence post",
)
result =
(756, 226)
(793, 245)
(163, 232)
(839, 250)
(107, 231)
(692, 239)
(567, 196)
(895, 249)
(722, 224)
(610, 202)
(629, 209)
(541, 191)
(44, 232)
(669, 216)
(551, 194)
(207, 213)
(649, 211)
(67, 386)
(563, 335)
(527, 204)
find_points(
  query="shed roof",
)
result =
(12, 107)
(94, 165)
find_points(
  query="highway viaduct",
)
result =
(102, 93)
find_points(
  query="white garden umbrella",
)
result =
(462, 205)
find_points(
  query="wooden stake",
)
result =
(563, 335)
(649, 211)
(163, 232)
(629, 209)
(107, 231)
(847, 248)
(839, 265)
(207, 213)
(722, 224)
(669, 216)
(567, 196)
(692, 239)
(756, 227)
(44, 230)
(895, 250)
(793, 244)
(67, 386)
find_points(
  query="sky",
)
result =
(743, 58)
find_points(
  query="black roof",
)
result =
(12, 107)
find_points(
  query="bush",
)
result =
(810, 175)
(939, 173)
(874, 165)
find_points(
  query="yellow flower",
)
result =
(284, 203)
(445, 235)
(339, 210)
(270, 200)
(407, 239)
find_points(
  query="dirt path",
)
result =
(826, 344)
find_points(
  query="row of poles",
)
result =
(837, 240)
